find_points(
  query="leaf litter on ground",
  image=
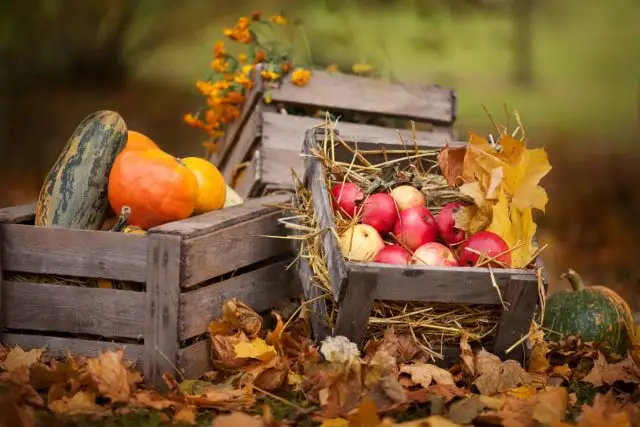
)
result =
(333, 384)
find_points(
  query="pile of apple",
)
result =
(423, 239)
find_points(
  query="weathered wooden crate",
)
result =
(356, 285)
(267, 141)
(186, 269)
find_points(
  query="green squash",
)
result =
(74, 193)
(596, 314)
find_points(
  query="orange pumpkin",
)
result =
(155, 185)
(211, 186)
(138, 141)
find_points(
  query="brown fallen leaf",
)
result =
(539, 363)
(15, 414)
(604, 373)
(223, 398)
(604, 412)
(17, 358)
(335, 422)
(495, 376)
(236, 315)
(563, 371)
(153, 399)
(466, 356)
(551, 405)
(223, 353)
(236, 419)
(80, 403)
(451, 162)
(432, 421)
(447, 391)
(466, 410)
(365, 415)
(110, 375)
(426, 373)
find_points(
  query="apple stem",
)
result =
(574, 279)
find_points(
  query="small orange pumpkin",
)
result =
(156, 186)
(211, 186)
(138, 141)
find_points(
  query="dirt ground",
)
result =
(590, 222)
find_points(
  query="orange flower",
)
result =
(242, 57)
(219, 65)
(333, 68)
(300, 77)
(247, 69)
(260, 56)
(270, 75)
(218, 49)
(205, 88)
(361, 68)
(279, 20)
(244, 81)
(235, 97)
(286, 67)
(192, 121)
(243, 23)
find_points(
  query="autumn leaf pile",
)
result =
(502, 177)
(256, 374)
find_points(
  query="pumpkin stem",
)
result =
(574, 278)
(123, 219)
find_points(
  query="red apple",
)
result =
(379, 211)
(393, 254)
(488, 244)
(447, 223)
(361, 242)
(415, 227)
(407, 197)
(434, 254)
(345, 197)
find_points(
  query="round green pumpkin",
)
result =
(596, 314)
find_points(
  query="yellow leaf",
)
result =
(539, 363)
(186, 414)
(81, 403)
(17, 358)
(109, 373)
(257, 348)
(334, 422)
(474, 191)
(563, 371)
(523, 392)
(425, 373)
(522, 180)
(494, 184)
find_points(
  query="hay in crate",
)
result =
(432, 325)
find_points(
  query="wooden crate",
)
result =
(268, 142)
(187, 270)
(357, 284)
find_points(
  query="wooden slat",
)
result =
(248, 179)
(57, 347)
(315, 180)
(18, 214)
(242, 149)
(210, 222)
(235, 128)
(71, 309)
(353, 93)
(69, 252)
(260, 289)
(231, 248)
(463, 285)
(161, 323)
(355, 306)
(193, 361)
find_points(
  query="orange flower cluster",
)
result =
(225, 90)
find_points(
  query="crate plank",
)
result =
(226, 250)
(463, 285)
(57, 347)
(355, 306)
(353, 93)
(315, 181)
(210, 222)
(247, 180)
(163, 293)
(195, 360)
(18, 214)
(247, 140)
(71, 309)
(233, 130)
(80, 253)
(260, 289)
(521, 299)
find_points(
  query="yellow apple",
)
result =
(361, 242)
(407, 197)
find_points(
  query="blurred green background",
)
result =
(570, 67)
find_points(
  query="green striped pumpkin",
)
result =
(595, 313)
(74, 193)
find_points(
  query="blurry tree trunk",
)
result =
(522, 14)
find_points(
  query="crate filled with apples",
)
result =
(434, 240)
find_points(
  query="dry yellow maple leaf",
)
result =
(80, 403)
(426, 373)
(17, 358)
(110, 375)
(257, 348)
